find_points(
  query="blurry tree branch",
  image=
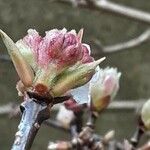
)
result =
(13, 109)
(55, 124)
(111, 7)
(7, 108)
(4, 57)
(141, 39)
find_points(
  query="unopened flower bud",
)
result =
(104, 89)
(145, 114)
(65, 116)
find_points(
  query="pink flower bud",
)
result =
(70, 39)
(50, 47)
(33, 40)
(86, 54)
(71, 55)
(59, 47)
(52, 55)
(71, 104)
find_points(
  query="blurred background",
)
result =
(100, 29)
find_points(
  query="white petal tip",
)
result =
(81, 30)
(80, 34)
(101, 60)
(109, 135)
(2, 33)
(6, 39)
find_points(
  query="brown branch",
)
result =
(143, 38)
(111, 7)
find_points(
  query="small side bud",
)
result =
(145, 114)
